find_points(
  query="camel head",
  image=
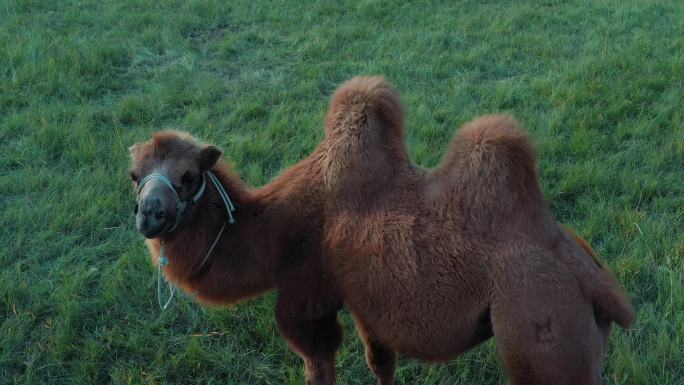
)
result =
(168, 174)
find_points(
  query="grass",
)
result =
(599, 84)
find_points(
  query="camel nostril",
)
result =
(157, 204)
(135, 209)
(159, 215)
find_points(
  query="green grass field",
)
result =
(599, 84)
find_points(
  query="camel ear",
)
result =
(208, 156)
(134, 149)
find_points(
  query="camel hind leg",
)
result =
(380, 359)
(538, 346)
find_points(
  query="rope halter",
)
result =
(181, 205)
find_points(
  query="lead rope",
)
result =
(164, 260)
(224, 196)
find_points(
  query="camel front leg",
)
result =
(316, 341)
(319, 371)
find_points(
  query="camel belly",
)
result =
(428, 327)
(410, 284)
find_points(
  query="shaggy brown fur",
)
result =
(430, 263)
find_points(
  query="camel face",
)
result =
(167, 172)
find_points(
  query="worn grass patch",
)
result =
(598, 83)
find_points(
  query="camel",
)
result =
(429, 262)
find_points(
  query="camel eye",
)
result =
(188, 178)
(134, 176)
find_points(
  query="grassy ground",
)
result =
(598, 83)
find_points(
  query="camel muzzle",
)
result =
(159, 208)
(151, 218)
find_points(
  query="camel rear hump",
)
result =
(492, 165)
(491, 145)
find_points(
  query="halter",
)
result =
(181, 207)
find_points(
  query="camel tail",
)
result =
(609, 299)
(367, 108)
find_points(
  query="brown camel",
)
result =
(430, 263)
